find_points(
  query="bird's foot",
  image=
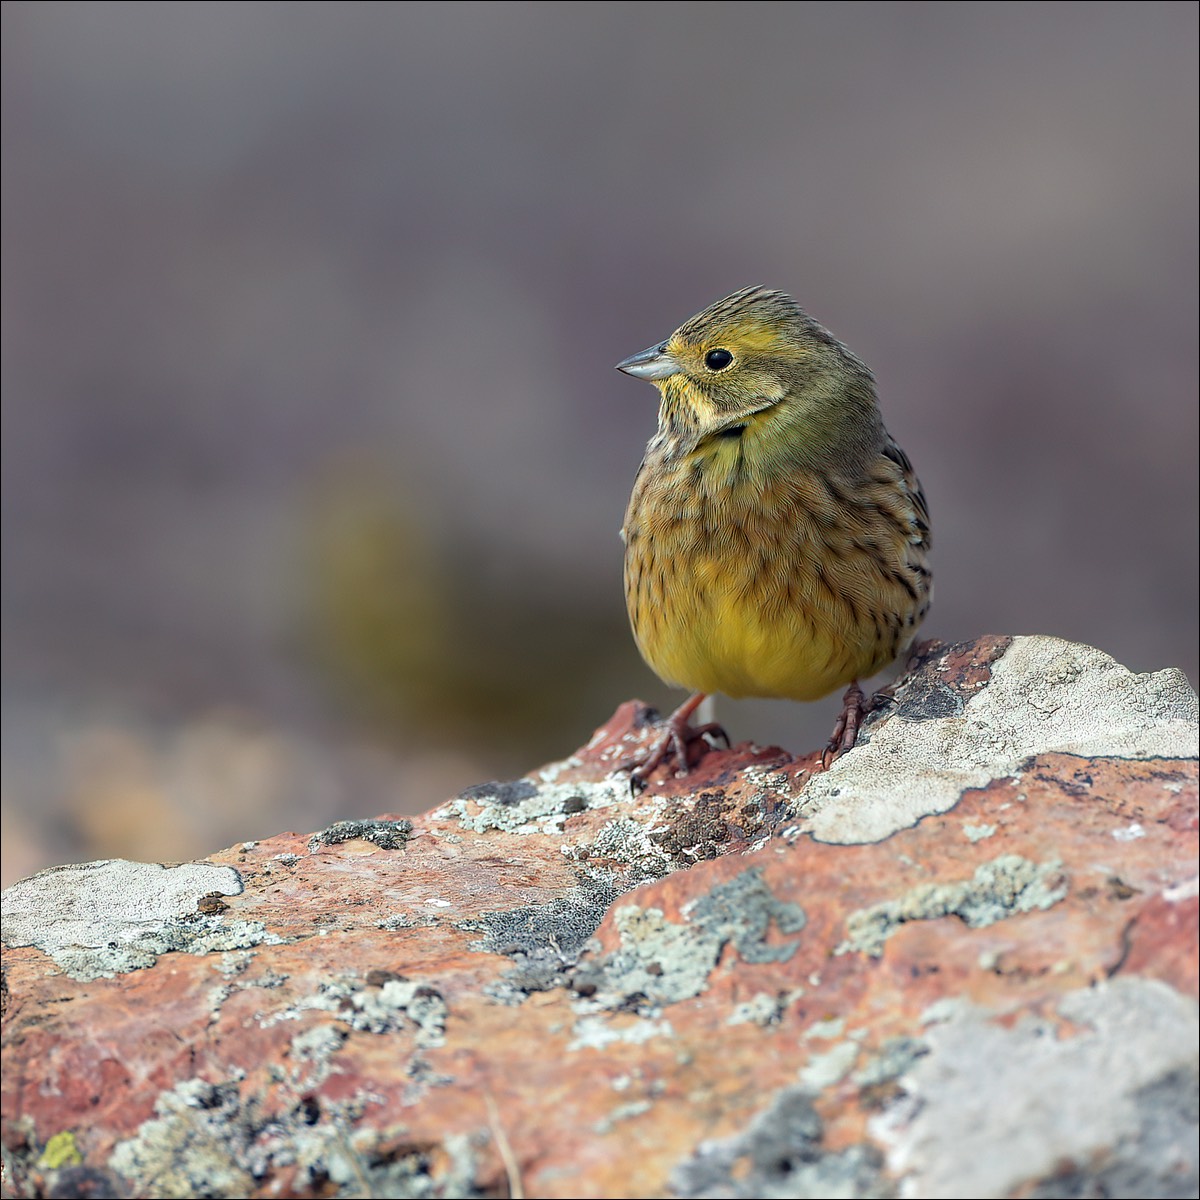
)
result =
(672, 742)
(845, 731)
(856, 706)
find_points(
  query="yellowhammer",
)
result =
(776, 541)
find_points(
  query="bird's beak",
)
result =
(651, 364)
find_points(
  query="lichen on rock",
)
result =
(962, 961)
(1001, 888)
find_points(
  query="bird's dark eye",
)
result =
(717, 360)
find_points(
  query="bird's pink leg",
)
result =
(845, 731)
(674, 739)
(855, 706)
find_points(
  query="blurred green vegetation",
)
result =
(522, 667)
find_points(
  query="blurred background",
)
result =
(313, 451)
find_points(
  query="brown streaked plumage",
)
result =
(776, 541)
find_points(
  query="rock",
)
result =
(961, 962)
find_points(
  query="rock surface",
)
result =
(962, 962)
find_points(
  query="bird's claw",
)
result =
(855, 707)
(673, 742)
(845, 731)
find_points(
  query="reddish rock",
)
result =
(961, 962)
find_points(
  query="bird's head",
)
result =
(757, 356)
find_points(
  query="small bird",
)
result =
(777, 539)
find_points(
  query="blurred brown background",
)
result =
(314, 455)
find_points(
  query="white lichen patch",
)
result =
(398, 1005)
(1045, 695)
(551, 771)
(1187, 890)
(525, 807)
(623, 1112)
(625, 841)
(827, 1029)
(1001, 888)
(767, 782)
(595, 1031)
(1130, 833)
(994, 1111)
(978, 833)
(824, 1070)
(100, 919)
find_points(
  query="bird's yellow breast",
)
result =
(752, 585)
(724, 627)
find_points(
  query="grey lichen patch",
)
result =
(763, 1008)
(775, 798)
(1155, 1158)
(826, 1030)
(522, 806)
(1182, 891)
(780, 1154)
(630, 846)
(191, 1146)
(207, 1140)
(775, 789)
(189, 935)
(995, 1111)
(928, 699)
(101, 919)
(215, 999)
(398, 921)
(667, 962)
(388, 835)
(318, 1043)
(543, 940)
(551, 771)
(562, 924)
(394, 1006)
(310, 1061)
(507, 792)
(1001, 888)
(741, 911)
(234, 962)
(353, 1162)
(1044, 695)
(894, 1057)
(378, 1010)
(658, 959)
